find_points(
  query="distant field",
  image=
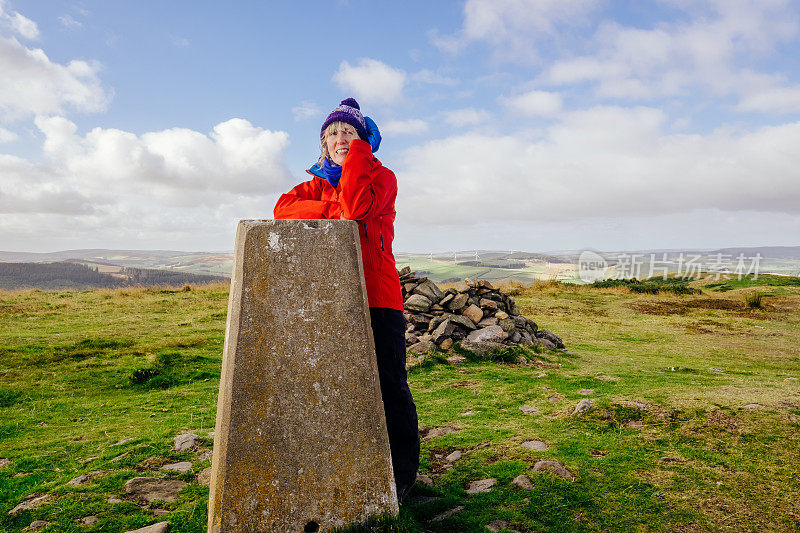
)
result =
(694, 424)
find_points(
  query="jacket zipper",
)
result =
(370, 260)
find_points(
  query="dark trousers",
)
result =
(388, 330)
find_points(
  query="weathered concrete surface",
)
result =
(300, 435)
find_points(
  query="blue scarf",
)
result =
(331, 172)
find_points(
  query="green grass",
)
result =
(763, 280)
(671, 377)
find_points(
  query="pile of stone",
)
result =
(473, 313)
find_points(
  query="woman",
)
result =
(348, 182)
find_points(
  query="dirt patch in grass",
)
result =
(659, 307)
(682, 307)
(714, 303)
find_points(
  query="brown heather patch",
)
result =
(724, 420)
(467, 384)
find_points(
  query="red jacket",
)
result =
(366, 193)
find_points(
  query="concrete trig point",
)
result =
(300, 442)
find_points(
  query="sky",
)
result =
(535, 125)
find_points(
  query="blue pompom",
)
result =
(351, 102)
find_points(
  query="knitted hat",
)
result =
(348, 112)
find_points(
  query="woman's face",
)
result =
(337, 140)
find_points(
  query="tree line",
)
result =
(68, 275)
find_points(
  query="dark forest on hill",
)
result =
(67, 275)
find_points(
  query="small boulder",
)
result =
(529, 410)
(151, 488)
(496, 526)
(547, 344)
(481, 485)
(586, 392)
(185, 441)
(38, 524)
(487, 334)
(506, 324)
(552, 337)
(461, 320)
(417, 302)
(80, 480)
(535, 445)
(29, 504)
(88, 520)
(429, 290)
(458, 302)
(444, 330)
(422, 347)
(453, 457)
(488, 321)
(448, 513)
(455, 358)
(583, 406)
(482, 348)
(473, 312)
(438, 432)
(553, 467)
(522, 481)
(160, 527)
(204, 477)
(183, 466)
(425, 479)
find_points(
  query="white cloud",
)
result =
(18, 23)
(306, 110)
(179, 166)
(778, 99)
(534, 103)
(429, 76)
(514, 27)
(371, 81)
(32, 84)
(174, 187)
(180, 42)
(412, 126)
(710, 49)
(7, 136)
(70, 23)
(602, 162)
(468, 116)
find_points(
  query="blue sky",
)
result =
(510, 124)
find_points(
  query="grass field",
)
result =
(694, 425)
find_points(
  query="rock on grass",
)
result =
(204, 477)
(29, 504)
(151, 488)
(522, 481)
(183, 466)
(448, 513)
(535, 445)
(160, 527)
(185, 441)
(554, 467)
(583, 406)
(481, 485)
